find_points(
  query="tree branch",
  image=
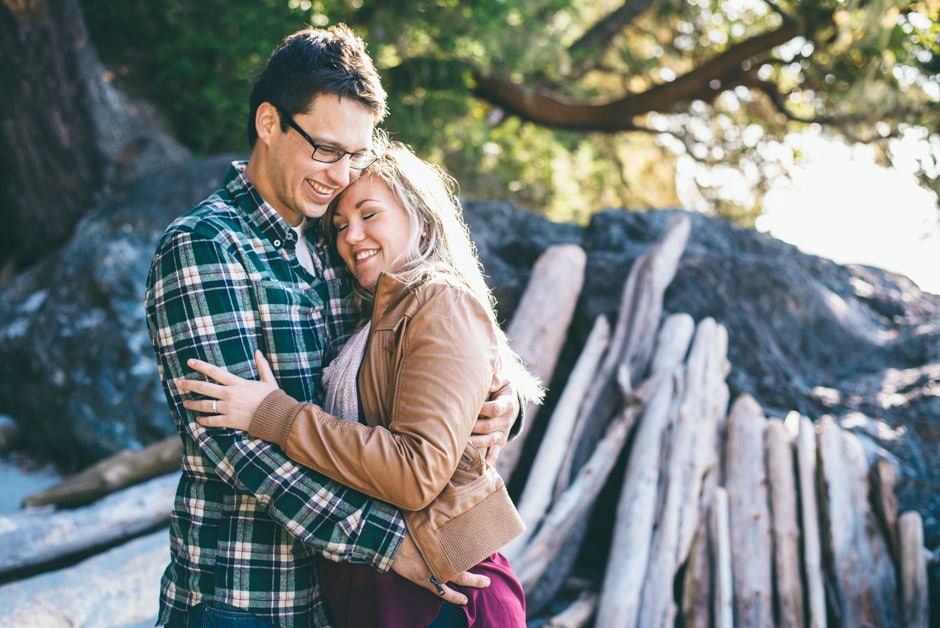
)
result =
(547, 108)
(599, 36)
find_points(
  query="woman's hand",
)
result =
(233, 400)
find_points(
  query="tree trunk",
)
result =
(52, 164)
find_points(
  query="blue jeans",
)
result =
(217, 615)
(451, 616)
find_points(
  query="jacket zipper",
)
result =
(434, 579)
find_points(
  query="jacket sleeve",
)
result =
(198, 305)
(447, 359)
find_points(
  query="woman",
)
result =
(409, 384)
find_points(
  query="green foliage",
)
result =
(194, 59)
(865, 67)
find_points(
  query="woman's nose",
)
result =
(354, 231)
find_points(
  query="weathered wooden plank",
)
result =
(539, 327)
(915, 596)
(749, 515)
(536, 497)
(809, 519)
(632, 342)
(863, 577)
(636, 510)
(785, 525)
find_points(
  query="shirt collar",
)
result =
(258, 210)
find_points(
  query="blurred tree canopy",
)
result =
(568, 107)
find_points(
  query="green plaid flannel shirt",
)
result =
(247, 522)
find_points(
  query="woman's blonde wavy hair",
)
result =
(440, 247)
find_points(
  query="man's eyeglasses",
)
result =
(330, 154)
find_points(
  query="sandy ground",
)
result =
(118, 587)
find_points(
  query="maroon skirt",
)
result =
(360, 596)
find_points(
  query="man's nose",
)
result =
(339, 172)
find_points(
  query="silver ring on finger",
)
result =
(215, 405)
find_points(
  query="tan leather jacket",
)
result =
(426, 371)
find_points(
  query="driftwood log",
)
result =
(536, 497)
(116, 472)
(119, 587)
(627, 359)
(540, 326)
(630, 546)
(35, 537)
(809, 522)
(913, 566)
(785, 524)
(638, 321)
(533, 561)
(863, 577)
(749, 515)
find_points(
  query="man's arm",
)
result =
(501, 419)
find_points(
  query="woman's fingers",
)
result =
(208, 406)
(210, 421)
(217, 373)
(201, 387)
(265, 374)
(470, 579)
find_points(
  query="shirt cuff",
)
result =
(273, 418)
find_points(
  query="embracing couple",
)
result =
(331, 357)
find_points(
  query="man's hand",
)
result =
(491, 431)
(409, 565)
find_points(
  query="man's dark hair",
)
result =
(317, 61)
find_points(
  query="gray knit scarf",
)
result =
(340, 377)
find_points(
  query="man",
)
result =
(244, 270)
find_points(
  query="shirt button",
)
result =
(277, 243)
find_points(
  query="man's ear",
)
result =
(267, 122)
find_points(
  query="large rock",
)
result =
(77, 370)
(78, 374)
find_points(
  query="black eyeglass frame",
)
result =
(357, 161)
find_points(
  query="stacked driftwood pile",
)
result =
(725, 516)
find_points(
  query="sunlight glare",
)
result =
(843, 206)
